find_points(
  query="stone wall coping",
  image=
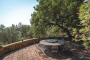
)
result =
(19, 42)
(12, 43)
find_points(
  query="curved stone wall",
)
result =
(16, 45)
(13, 46)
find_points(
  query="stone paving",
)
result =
(30, 52)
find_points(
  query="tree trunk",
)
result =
(65, 29)
(12, 39)
(7, 41)
(68, 33)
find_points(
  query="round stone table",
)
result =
(56, 43)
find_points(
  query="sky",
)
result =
(15, 11)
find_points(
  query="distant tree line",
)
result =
(14, 33)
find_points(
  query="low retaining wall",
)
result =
(13, 46)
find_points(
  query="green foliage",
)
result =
(30, 33)
(84, 15)
(49, 13)
(14, 33)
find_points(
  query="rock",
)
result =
(0, 47)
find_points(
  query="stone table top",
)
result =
(56, 43)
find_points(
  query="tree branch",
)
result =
(56, 24)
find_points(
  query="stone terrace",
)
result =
(30, 52)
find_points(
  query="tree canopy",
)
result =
(60, 14)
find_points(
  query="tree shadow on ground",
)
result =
(73, 54)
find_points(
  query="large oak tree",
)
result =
(55, 13)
